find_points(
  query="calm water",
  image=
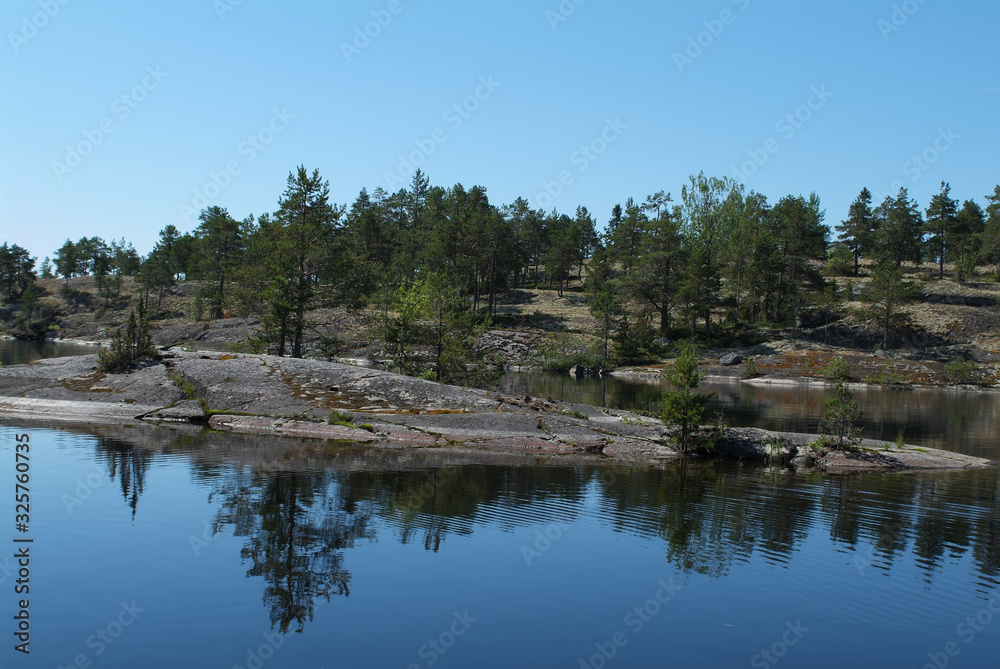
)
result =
(222, 551)
(955, 420)
(18, 352)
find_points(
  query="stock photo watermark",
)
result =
(699, 43)
(435, 648)
(787, 127)
(102, 639)
(769, 657)
(200, 543)
(635, 620)
(544, 540)
(900, 16)
(121, 108)
(967, 631)
(921, 163)
(365, 34)
(248, 150)
(223, 7)
(31, 25)
(85, 487)
(561, 14)
(256, 657)
(585, 156)
(455, 117)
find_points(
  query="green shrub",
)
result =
(838, 370)
(960, 370)
(749, 369)
(342, 418)
(133, 345)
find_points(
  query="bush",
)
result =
(749, 369)
(343, 418)
(838, 370)
(960, 370)
(130, 347)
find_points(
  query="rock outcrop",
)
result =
(269, 395)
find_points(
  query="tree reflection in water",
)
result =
(297, 526)
(711, 516)
(128, 464)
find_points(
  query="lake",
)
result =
(21, 352)
(162, 548)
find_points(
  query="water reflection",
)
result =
(126, 463)
(298, 508)
(297, 526)
(22, 352)
(710, 516)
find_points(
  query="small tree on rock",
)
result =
(842, 418)
(130, 347)
(684, 407)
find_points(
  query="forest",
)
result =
(435, 262)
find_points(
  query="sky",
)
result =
(118, 118)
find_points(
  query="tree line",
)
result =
(427, 257)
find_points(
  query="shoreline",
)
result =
(284, 397)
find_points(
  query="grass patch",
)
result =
(187, 388)
(342, 418)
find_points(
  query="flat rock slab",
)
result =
(189, 411)
(291, 428)
(73, 410)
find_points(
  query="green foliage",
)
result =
(749, 368)
(887, 292)
(17, 272)
(838, 369)
(187, 388)
(133, 345)
(900, 439)
(960, 370)
(342, 418)
(635, 342)
(842, 418)
(684, 407)
(561, 352)
(858, 232)
(607, 308)
(840, 261)
(431, 332)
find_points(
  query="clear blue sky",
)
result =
(223, 76)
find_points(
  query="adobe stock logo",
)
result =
(122, 107)
(31, 25)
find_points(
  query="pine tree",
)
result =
(941, 221)
(858, 231)
(684, 407)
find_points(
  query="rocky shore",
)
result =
(268, 395)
